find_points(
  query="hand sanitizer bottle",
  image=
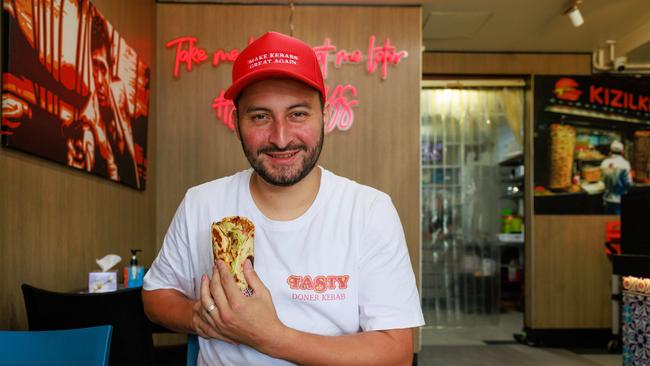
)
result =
(133, 274)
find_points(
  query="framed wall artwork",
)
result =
(73, 90)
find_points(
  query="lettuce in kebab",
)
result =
(233, 240)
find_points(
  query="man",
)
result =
(104, 125)
(616, 176)
(332, 282)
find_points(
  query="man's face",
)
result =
(280, 125)
(101, 75)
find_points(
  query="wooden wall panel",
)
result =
(445, 63)
(55, 221)
(570, 282)
(382, 147)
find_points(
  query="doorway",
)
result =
(472, 211)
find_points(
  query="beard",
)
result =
(286, 175)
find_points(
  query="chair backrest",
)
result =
(132, 341)
(83, 346)
(192, 350)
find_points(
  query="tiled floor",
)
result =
(514, 354)
(499, 328)
(493, 344)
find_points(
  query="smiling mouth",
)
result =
(282, 155)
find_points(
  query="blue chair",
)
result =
(192, 349)
(132, 340)
(80, 346)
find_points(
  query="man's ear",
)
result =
(235, 119)
(327, 113)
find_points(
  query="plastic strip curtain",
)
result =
(463, 133)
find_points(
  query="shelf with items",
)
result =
(512, 180)
(512, 269)
(441, 176)
(437, 153)
(511, 238)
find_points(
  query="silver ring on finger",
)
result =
(211, 308)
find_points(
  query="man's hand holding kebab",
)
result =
(235, 317)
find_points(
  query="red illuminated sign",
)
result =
(617, 98)
(191, 55)
(224, 109)
(383, 56)
(342, 98)
(567, 89)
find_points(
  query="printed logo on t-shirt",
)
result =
(318, 288)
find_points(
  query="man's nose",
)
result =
(280, 133)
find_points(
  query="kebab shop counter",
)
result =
(577, 119)
(580, 123)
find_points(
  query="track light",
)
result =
(574, 14)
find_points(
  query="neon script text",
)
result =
(377, 57)
(189, 54)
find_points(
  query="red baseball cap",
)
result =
(275, 55)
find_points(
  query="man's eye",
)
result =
(258, 117)
(299, 115)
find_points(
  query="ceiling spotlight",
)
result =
(574, 14)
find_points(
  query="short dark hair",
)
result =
(99, 37)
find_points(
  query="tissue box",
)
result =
(102, 281)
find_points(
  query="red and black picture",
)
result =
(73, 91)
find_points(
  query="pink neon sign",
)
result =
(188, 54)
(383, 55)
(191, 55)
(341, 98)
(224, 109)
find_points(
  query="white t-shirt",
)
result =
(340, 268)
